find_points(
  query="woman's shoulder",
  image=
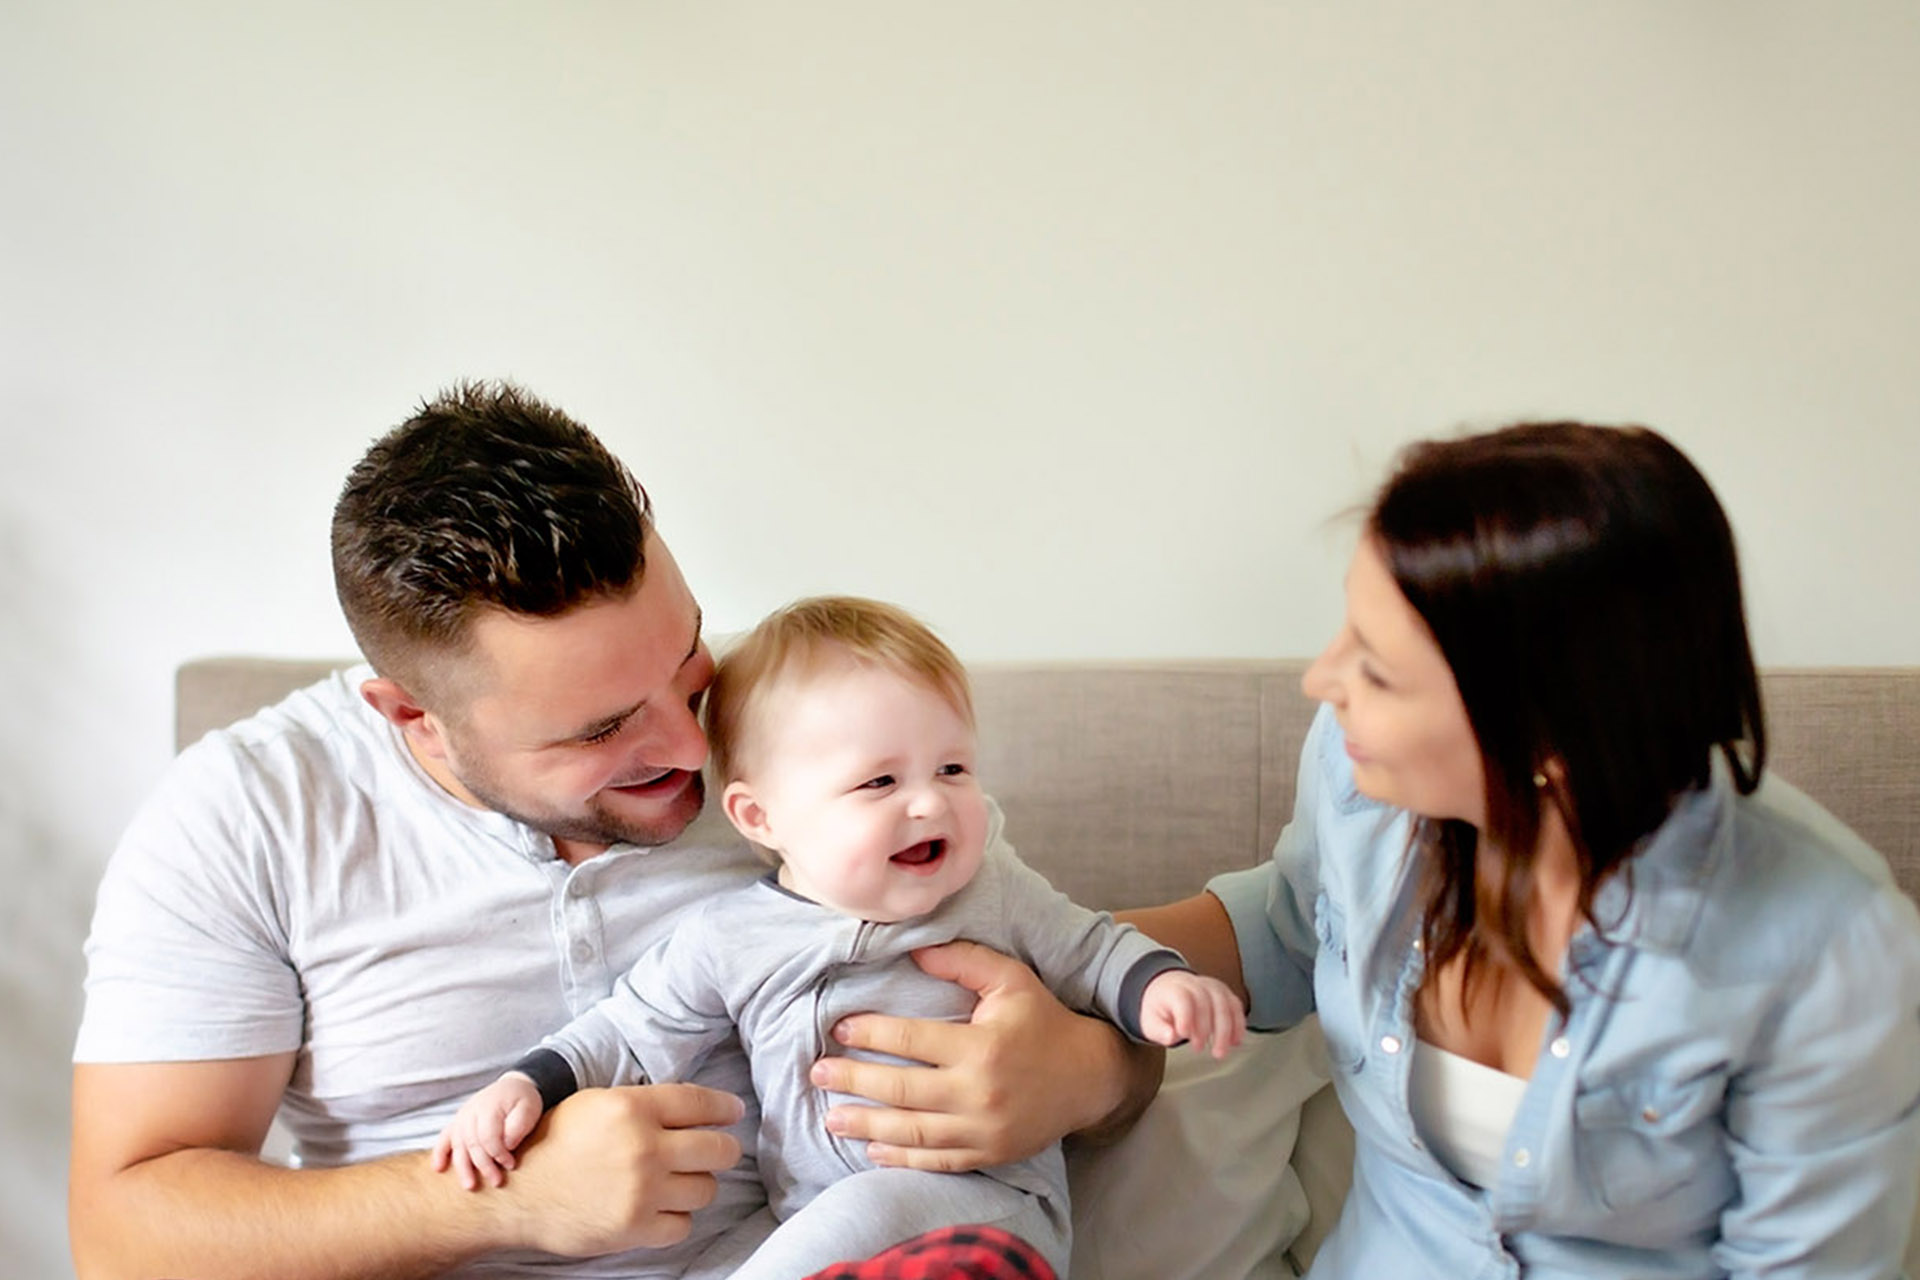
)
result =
(1788, 857)
(1783, 824)
(1790, 878)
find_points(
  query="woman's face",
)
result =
(1406, 728)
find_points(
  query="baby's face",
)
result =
(865, 781)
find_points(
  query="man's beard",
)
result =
(595, 825)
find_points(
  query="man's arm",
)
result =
(1023, 1073)
(165, 1180)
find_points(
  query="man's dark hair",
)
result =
(486, 498)
(1582, 583)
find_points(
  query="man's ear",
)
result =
(404, 712)
(746, 813)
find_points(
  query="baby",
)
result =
(842, 734)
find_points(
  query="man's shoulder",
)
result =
(323, 730)
(281, 771)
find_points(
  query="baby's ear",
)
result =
(745, 813)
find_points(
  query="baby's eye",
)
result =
(953, 770)
(876, 784)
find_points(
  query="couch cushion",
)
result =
(1126, 784)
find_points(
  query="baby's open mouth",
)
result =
(922, 855)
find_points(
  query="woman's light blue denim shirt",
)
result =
(1736, 1092)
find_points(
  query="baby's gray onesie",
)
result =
(782, 970)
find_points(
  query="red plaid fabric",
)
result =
(951, 1253)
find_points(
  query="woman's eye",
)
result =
(1372, 677)
(877, 784)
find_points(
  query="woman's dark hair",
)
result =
(485, 497)
(1582, 584)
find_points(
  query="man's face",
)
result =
(584, 725)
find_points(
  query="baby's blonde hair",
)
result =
(802, 639)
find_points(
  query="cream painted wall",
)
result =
(1068, 324)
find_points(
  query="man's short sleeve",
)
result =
(187, 957)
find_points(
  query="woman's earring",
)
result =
(1539, 780)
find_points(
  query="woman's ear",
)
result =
(746, 813)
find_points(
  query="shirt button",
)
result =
(576, 888)
(583, 951)
(1649, 1115)
(1419, 944)
(1560, 1048)
(1390, 1044)
(1521, 1158)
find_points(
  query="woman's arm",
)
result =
(1823, 1128)
(1199, 929)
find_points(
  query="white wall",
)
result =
(1066, 324)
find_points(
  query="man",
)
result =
(354, 907)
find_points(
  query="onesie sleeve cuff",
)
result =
(550, 1075)
(1133, 987)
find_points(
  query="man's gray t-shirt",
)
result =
(298, 883)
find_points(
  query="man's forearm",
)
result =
(214, 1214)
(1138, 1068)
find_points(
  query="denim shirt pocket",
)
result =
(1336, 995)
(1643, 1141)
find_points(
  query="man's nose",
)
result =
(679, 742)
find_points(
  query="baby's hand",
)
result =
(478, 1142)
(1178, 1005)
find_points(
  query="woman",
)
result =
(1598, 1003)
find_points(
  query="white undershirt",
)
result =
(1462, 1110)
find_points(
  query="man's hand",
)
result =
(1023, 1073)
(165, 1180)
(614, 1169)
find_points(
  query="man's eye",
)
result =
(880, 783)
(594, 739)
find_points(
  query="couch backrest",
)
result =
(1131, 783)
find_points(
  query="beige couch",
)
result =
(1130, 784)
